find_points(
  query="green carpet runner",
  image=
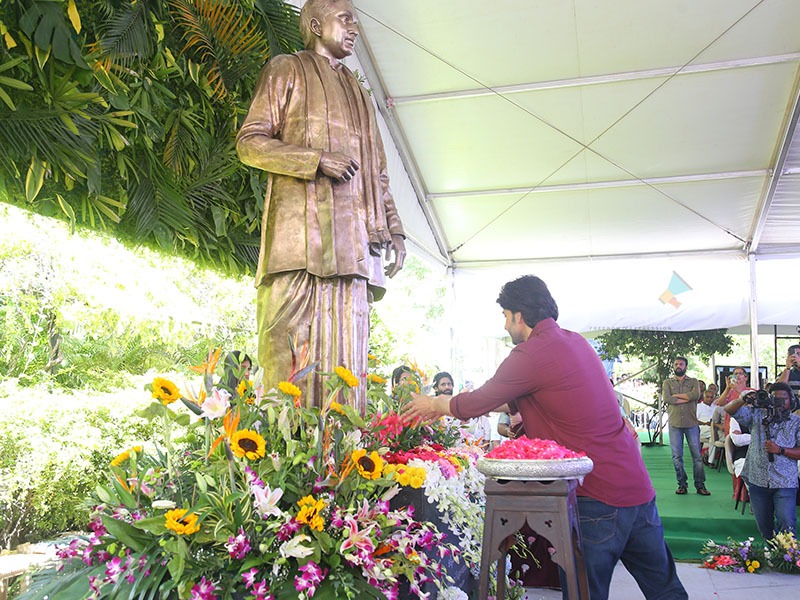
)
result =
(690, 520)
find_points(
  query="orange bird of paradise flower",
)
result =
(230, 424)
(210, 364)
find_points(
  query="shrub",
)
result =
(52, 448)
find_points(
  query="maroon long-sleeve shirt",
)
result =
(559, 386)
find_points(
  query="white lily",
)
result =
(216, 405)
(294, 547)
(266, 501)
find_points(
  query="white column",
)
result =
(754, 381)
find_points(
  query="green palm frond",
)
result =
(156, 208)
(221, 37)
(43, 133)
(128, 36)
(281, 25)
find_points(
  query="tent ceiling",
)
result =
(540, 130)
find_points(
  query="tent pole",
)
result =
(754, 378)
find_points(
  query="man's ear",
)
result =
(316, 26)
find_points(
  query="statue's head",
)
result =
(329, 27)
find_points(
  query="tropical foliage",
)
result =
(121, 116)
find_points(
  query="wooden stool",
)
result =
(551, 510)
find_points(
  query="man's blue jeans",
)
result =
(775, 509)
(692, 434)
(634, 535)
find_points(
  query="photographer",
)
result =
(770, 469)
(791, 374)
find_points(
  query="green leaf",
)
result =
(34, 179)
(126, 533)
(15, 83)
(106, 496)
(124, 495)
(154, 525)
(67, 211)
(220, 217)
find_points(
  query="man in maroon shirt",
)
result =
(556, 381)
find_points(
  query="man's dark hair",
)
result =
(398, 373)
(683, 358)
(792, 349)
(528, 295)
(442, 375)
(779, 385)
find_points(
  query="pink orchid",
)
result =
(238, 546)
(312, 576)
(249, 578)
(203, 590)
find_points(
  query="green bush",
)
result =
(52, 450)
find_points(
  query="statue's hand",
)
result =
(398, 246)
(338, 166)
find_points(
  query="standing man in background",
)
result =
(681, 393)
(328, 212)
(791, 374)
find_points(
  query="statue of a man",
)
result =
(328, 213)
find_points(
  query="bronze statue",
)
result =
(328, 212)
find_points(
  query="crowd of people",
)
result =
(758, 426)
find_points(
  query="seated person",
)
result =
(705, 413)
(741, 442)
(771, 466)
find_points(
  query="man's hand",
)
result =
(398, 247)
(771, 447)
(338, 166)
(426, 408)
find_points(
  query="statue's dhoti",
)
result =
(331, 313)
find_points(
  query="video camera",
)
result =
(775, 407)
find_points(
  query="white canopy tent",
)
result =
(604, 146)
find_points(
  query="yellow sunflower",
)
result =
(165, 391)
(123, 456)
(370, 467)
(289, 389)
(246, 443)
(241, 389)
(373, 378)
(310, 510)
(346, 376)
(178, 521)
(337, 407)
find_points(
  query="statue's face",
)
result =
(338, 30)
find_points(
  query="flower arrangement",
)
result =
(783, 553)
(252, 495)
(780, 553)
(740, 557)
